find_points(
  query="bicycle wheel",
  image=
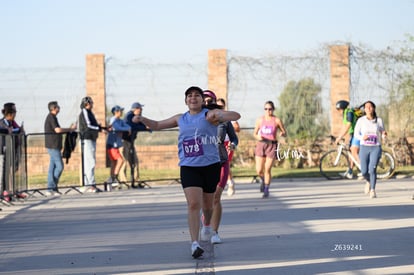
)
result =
(333, 166)
(386, 166)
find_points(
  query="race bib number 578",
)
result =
(192, 148)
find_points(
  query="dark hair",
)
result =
(270, 103)
(222, 101)
(212, 106)
(52, 105)
(86, 100)
(374, 114)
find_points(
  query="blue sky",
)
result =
(42, 40)
(60, 33)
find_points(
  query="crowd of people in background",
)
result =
(206, 142)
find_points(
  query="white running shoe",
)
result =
(230, 188)
(367, 187)
(196, 250)
(372, 194)
(206, 233)
(348, 174)
(215, 239)
(115, 182)
(52, 193)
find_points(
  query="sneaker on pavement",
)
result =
(115, 182)
(50, 193)
(372, 194)
(206, 233)
(367, 187)
(196, 250)
(265, 194)
(93, 189)
(215, 239)
(230, 189)
(347, 174)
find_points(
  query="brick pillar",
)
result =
(217, 72)
(95, 88)
(340, 82)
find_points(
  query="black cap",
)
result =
(194, 88)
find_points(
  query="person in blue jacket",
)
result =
(117, 126)
(129, 151)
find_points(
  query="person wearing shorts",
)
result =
(227, 142)
(117, 127)
(198, 159)
(265, 132)
(349, 121)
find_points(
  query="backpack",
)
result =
(358, 112)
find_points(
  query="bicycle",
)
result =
(335, 162)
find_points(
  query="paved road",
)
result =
(307, 226)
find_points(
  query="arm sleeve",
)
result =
(232, 134)
(136, 127)
(88, 121)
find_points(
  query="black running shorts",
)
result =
(205, 177)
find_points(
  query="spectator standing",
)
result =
(89, 130)
(8, 125)
(198, 159)
(8, 121)
(129, 152)
(265, 132)
(54, 144)
(117, 127)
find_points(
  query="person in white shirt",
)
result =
(370, 130)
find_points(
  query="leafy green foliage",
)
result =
(301, 109)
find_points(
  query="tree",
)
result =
(402, 97)
(301, 109)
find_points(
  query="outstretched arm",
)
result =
(160, 124)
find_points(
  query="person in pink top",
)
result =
(265, 132)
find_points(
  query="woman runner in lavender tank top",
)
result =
(198, 159)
